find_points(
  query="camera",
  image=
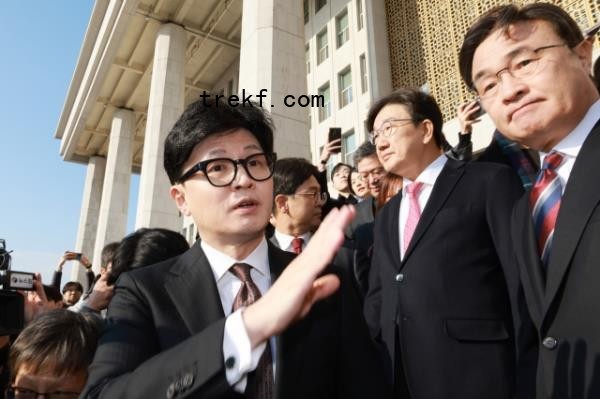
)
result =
(12, 304)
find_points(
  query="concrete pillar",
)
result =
(112, 221)
(155, 207)
(380, 72)
(272, 57)
(90, 210)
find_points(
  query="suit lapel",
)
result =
(581, 196)
(193, 290)
(444, 185)
(393, 231)
(527, 253)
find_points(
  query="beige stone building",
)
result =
(142, 61)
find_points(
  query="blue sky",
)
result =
(40, 194)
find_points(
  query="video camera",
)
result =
(12, 318)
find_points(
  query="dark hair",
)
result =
(290, 173)
(596, 75)
(59, 340)
(72, 286)
(365, 150)
(52, 293)
(420, 106)
(108, 253)
(352, 170)
(338, 166)
(146, 247)
(207, 117)
(503, 17)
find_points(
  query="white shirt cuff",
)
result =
(239, 357)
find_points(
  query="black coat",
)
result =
(164, 338)
(444, 313)
(565, 305)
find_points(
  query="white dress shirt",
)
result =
(285, 240)
(236, 342)
(428, 177)
(570, 146)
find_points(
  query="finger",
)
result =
(324, 286)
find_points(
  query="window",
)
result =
(306, 12)
(319, 4)
(349, 146)
(307, 55)
(322, 46)
(341, 28)
(364, 81)
(345, 87)
(359, 14)
(325, 110)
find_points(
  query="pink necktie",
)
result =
(414, 212)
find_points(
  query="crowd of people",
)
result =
(433, 272)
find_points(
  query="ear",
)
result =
(584, 52)
(427, 128)
(177, 193)
(281, 203)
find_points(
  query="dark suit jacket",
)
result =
(444, 311)
(164, 338)
(365, 213)
(565, 305)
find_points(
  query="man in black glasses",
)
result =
(297, 204)
(530, 67)
(216, 322)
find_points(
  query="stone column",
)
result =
(272, 58)
(90, 210)
(155, 207)
(112, 221)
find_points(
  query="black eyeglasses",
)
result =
(221, 172)
(24, 393)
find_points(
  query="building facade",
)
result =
(143, 61)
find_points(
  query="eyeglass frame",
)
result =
(10, 392)
(507, 69)
(375, 133)
(317, 197)
(371, 172)
(201, 167)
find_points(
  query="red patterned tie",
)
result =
(414, 212)
(297, 244)
(260, 382)
(544, 199)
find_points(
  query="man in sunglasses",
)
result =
(216, 322)
(530, 67)
(297, 204)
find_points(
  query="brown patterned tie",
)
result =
(260, 382)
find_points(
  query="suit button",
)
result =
(230, 362)
(550, 343)
(399, 277)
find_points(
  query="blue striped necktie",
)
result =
(545, 202)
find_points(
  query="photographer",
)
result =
(83, 260)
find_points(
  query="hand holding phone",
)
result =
(335, 133)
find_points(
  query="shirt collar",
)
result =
(571, 144)
(220, 262)
(285, 240)
(430, 174)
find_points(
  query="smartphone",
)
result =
(335, 133)
(480, 112)
(77, 255)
